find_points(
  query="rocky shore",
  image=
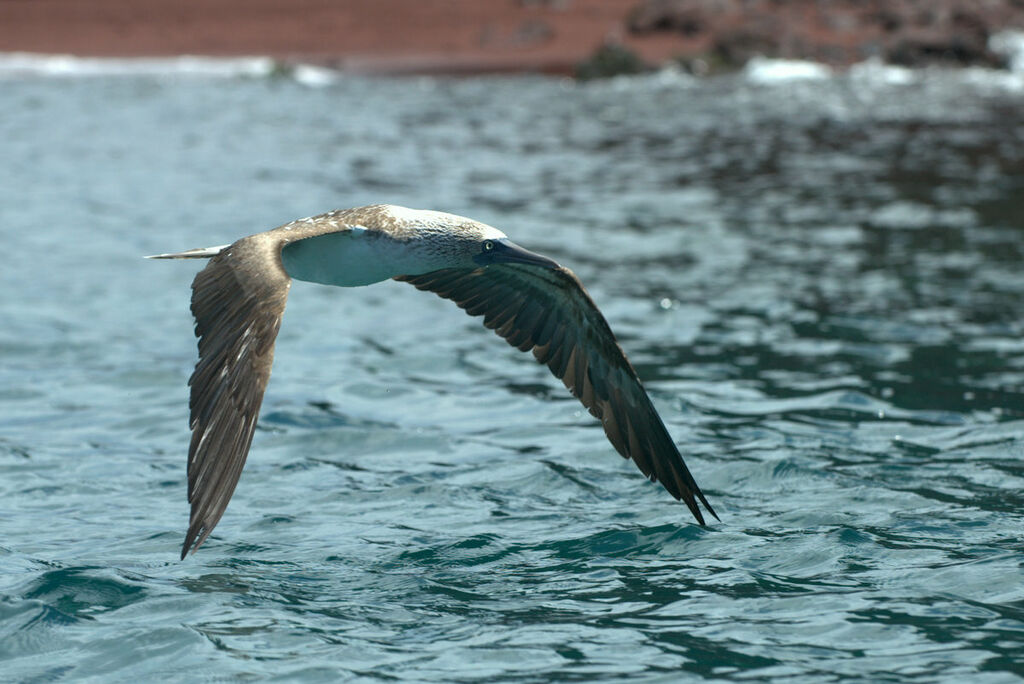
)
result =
(467, 36)
(837, 32)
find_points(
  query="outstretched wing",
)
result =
(548, 311)
(237, 301)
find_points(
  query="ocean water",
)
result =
(819, 278)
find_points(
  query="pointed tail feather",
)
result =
(201, 253)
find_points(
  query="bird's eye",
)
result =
(488, 245)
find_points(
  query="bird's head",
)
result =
(501, 250)
(450, 241)
(482, 245)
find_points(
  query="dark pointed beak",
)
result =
(507, 252)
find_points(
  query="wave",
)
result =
(759, 71)
(1008, 44)
(31, 64)
(21, 64)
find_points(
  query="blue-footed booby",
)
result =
(528, 299)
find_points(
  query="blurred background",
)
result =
(803, 220)
(469, 36)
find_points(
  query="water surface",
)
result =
(819, 281)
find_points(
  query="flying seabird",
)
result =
(528, 299)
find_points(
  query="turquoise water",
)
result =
(820, 282)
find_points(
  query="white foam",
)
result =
(1009, 44)
(31, 64)
(1010, 81)
(764, 70)
(874, 70)
(315, 76)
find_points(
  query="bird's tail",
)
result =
(201, 253)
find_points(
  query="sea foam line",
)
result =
(22, 64)
(32, 64)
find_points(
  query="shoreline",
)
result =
(469, 37)
(323, 72)
(364, 36)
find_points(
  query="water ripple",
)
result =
(819, 284)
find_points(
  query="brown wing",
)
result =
(237, 301)
(548, 311)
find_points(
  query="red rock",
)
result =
(511, 35)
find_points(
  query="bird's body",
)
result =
(528, 299)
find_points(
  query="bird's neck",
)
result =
(354, 258)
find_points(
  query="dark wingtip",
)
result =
(190, 540)
(690, 500)
(691, 503)
(711, 510)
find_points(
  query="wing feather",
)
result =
(237, 301)
(549, 311)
